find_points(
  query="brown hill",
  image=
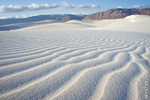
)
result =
(117, 13)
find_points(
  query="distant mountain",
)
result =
(64, 17)
(109, 14)
(117, 13)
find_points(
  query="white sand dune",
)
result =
(135, 23)
(77, 60)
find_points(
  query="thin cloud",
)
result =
(37, 7)
(119, 7)
(17, 16)
(84, 13)
(141, 6)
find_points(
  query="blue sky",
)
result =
(26, 8)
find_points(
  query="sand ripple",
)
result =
(74, 65)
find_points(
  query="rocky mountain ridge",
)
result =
(117, 13)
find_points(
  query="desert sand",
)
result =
(76, 60)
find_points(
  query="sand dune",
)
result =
(135, 23)
(77, 60)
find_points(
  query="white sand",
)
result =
(77, 60)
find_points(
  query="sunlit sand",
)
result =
(76, 60)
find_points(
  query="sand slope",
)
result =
(135, 23)
(85, 64)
